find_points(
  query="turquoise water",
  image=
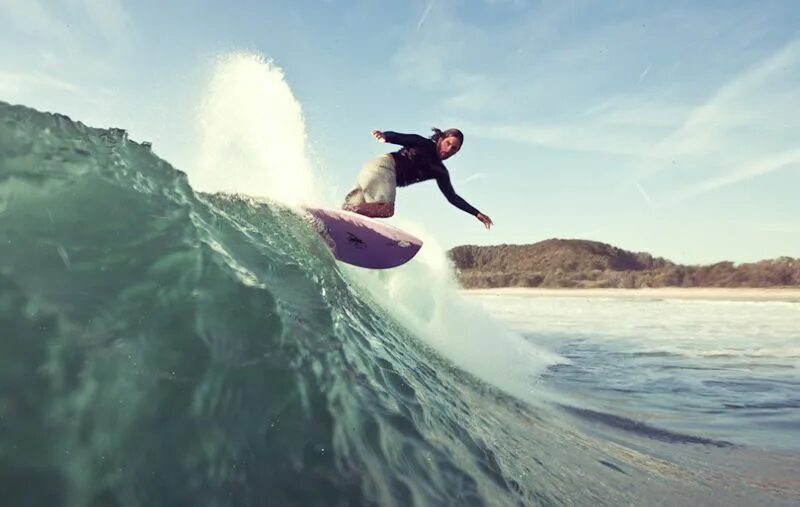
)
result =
(162, 346)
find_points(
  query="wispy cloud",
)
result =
(643, 192)
(109, 17)
(590, 137)
(571, 87)
(746, 129)
(41, 89)
(444, 50)
(424, 15)
(643, 74)
(500, 76)
(474, 177)
(755, 99)
(752, 169)
(33, 19)
(57, 22)
(12, 83)
(61, 49)
(438, 53)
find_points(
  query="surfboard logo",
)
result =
(355, 240)
(403, 244)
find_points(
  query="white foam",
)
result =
(423, 295)
(707, 329)
(252, 136)
(253, 141)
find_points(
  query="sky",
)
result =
(666, 127)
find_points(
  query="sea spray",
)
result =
(424, 296)
(254, 142)
(252, 137)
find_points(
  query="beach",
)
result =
(791, 294)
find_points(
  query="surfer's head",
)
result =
(448, 142)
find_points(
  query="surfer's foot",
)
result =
(371, 209)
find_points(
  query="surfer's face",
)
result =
(448, 147)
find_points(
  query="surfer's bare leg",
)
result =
(372, 209)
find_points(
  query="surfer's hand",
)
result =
(377, 134)
(485, 220)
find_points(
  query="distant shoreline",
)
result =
(582, 264)
(791, 294)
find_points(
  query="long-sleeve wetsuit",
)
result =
(417, 161)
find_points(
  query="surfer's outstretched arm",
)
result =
(388, 136)
(456, 200)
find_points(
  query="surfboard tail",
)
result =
(363, 241)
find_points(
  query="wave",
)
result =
(173, 346)
(163, 345)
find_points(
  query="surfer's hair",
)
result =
(438, 134)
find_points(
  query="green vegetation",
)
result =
(590, 264)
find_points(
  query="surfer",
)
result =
(419, 159)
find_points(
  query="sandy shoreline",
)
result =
(736, 294)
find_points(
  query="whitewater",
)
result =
(181, 336)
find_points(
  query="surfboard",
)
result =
(363, 241)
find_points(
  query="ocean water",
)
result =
(715, 369)
(182, 337)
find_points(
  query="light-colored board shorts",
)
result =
(376, 183)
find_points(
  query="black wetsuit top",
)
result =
(418, 161)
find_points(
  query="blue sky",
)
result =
(666, 127)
